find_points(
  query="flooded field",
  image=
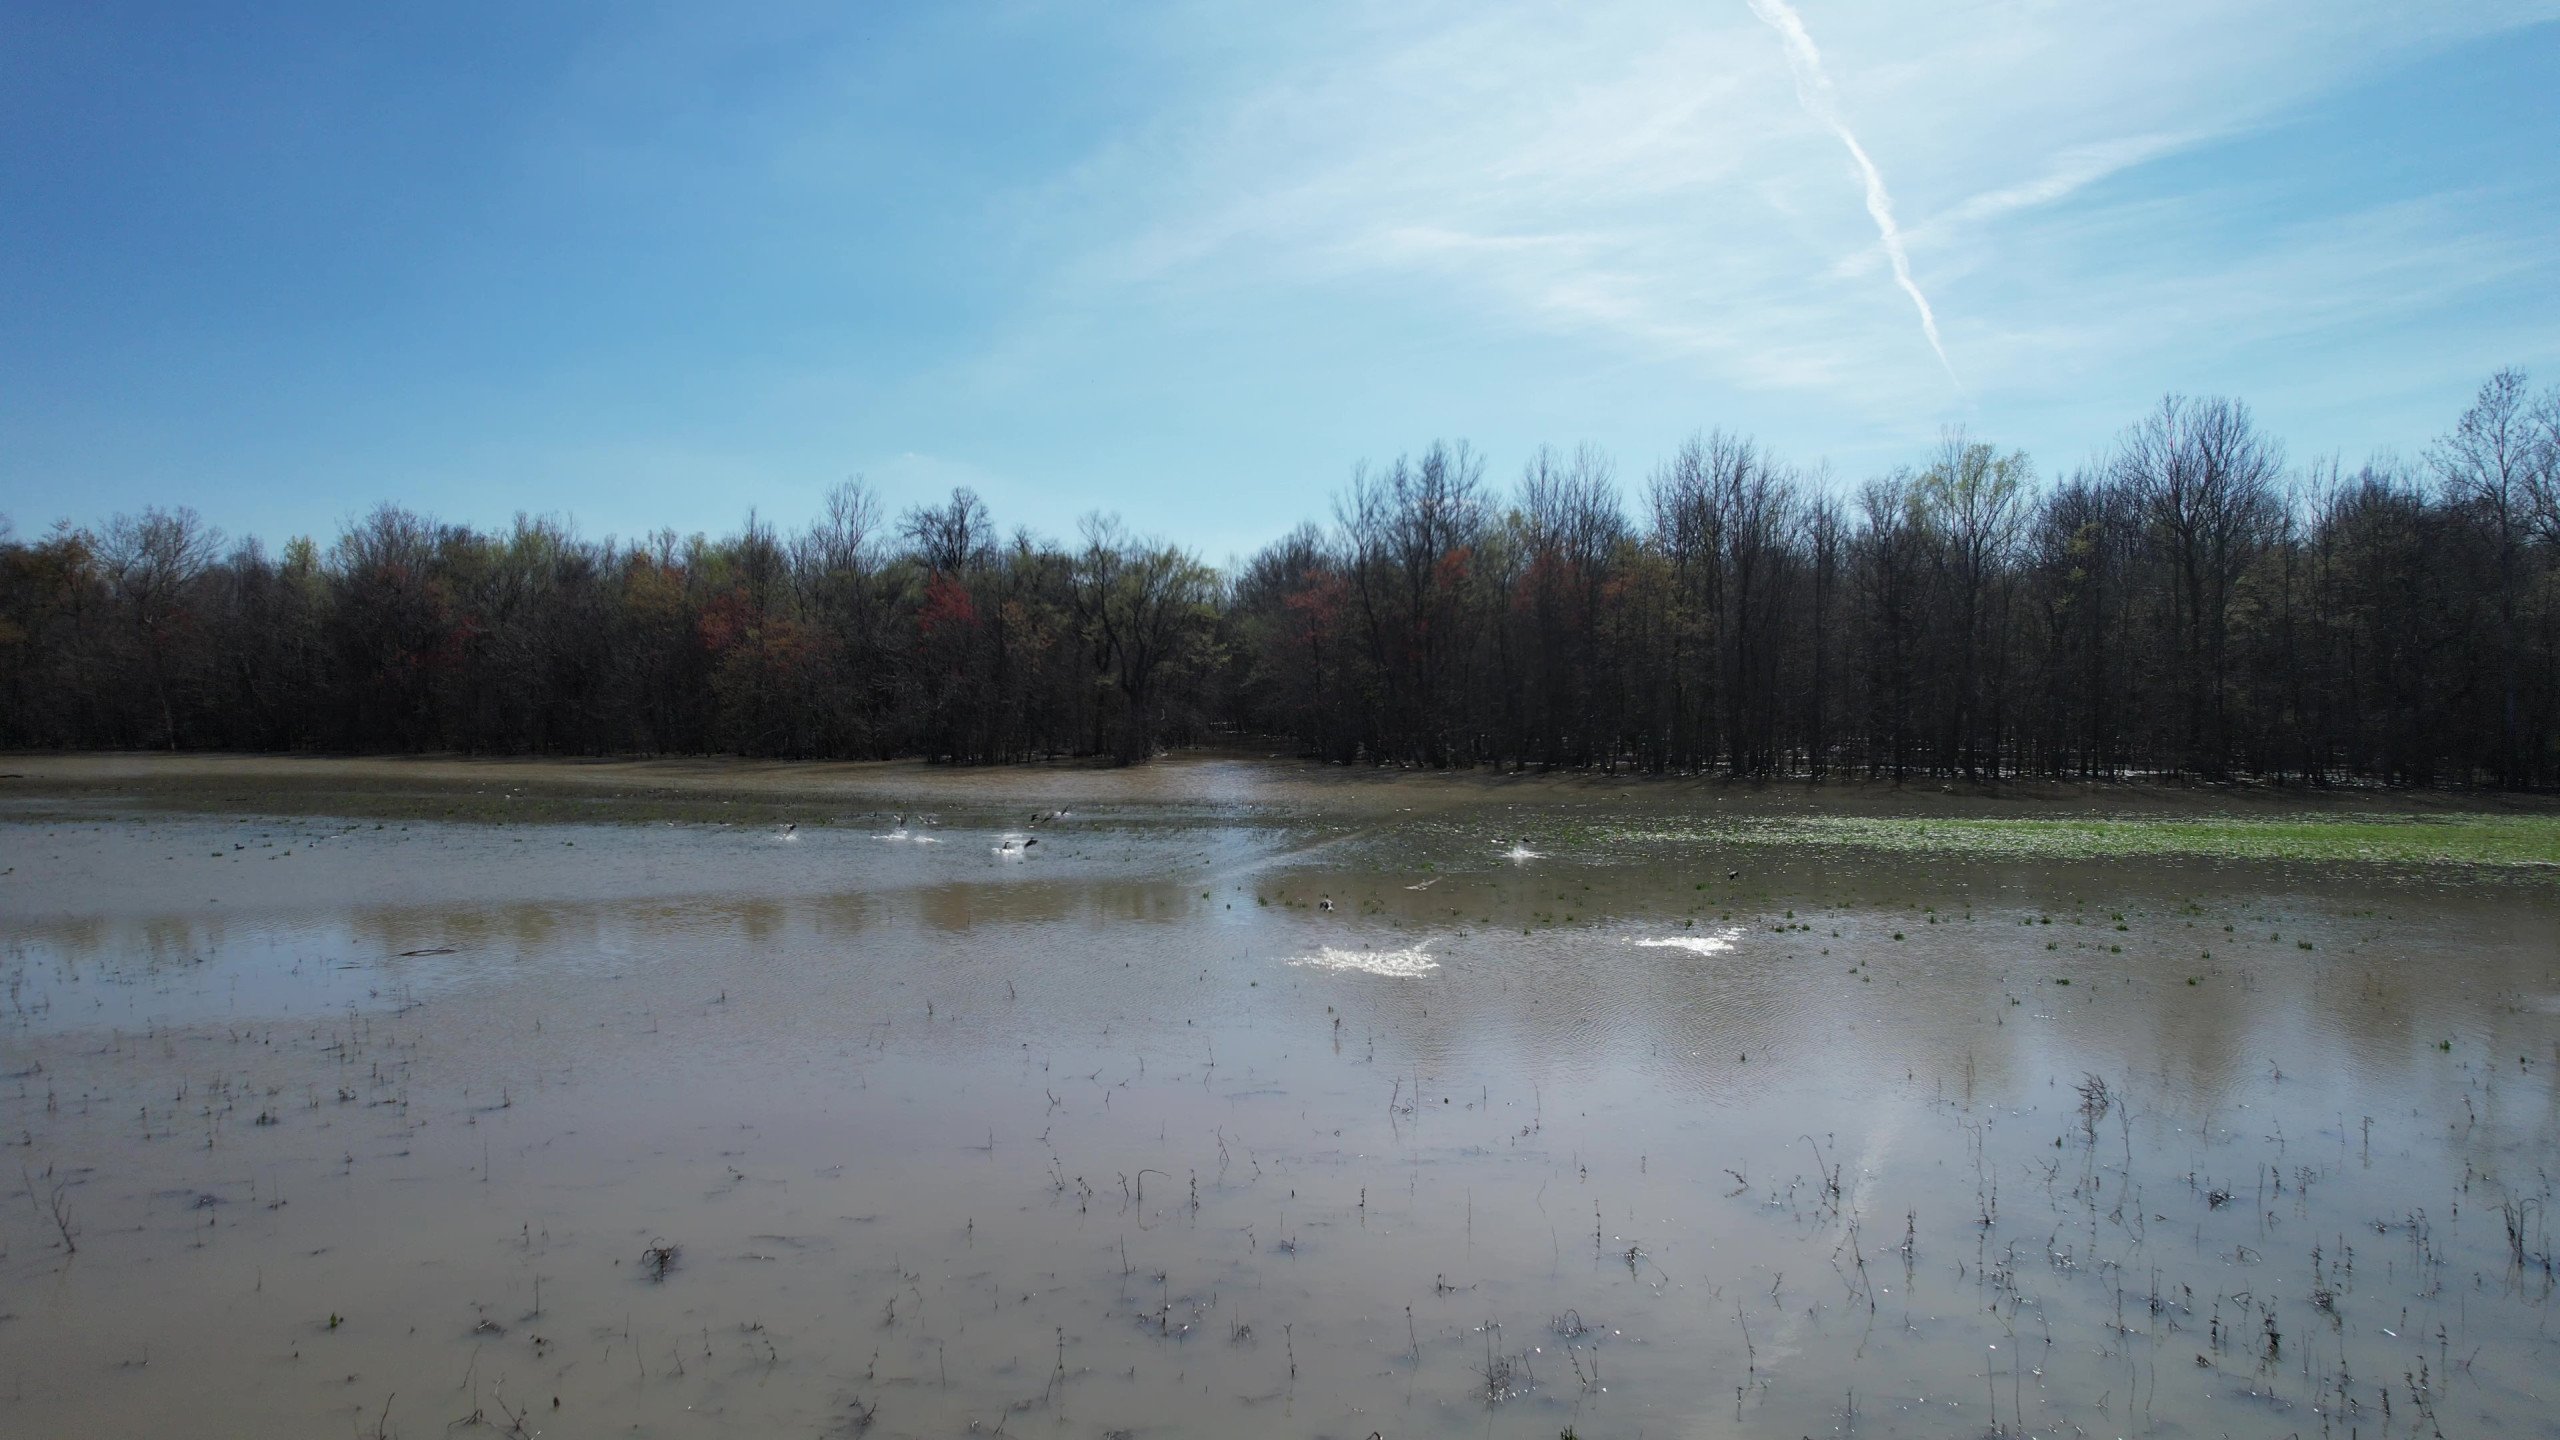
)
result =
(1243, 1103)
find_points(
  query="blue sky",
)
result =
(651, 266)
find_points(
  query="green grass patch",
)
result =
(2494, 841)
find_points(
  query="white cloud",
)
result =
(1639, 174)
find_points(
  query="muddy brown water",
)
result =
(404, 1127)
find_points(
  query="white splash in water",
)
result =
(1715, 944)
(1410, 964)
(1523, 852)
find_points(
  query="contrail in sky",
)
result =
(1813, 90)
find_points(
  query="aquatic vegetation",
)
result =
(2520, 842)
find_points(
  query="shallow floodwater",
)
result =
(1244, 1119)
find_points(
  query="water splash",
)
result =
(1410, 964)
(1715, 944)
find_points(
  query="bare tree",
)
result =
(150, 560)
(844, 537)
(2205, 477)
(2174, 606)
(2544, 478)
(954, 536)
(1573, 526)
(1826, 531)
(1892, 604)
(1975, 500)
(1410, 533)
(1144, 603)
(2493, 462)
(1692, 498)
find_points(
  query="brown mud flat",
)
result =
(1257, 1099)
(532, 789)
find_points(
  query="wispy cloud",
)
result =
(1637, 180)
(1814, 92)
(2070, 171)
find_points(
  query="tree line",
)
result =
(2187, 604)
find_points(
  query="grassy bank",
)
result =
(2520, 841)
